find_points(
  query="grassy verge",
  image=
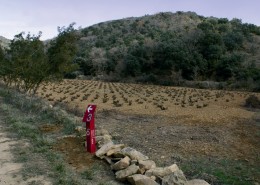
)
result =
(23, 116)
(219, 171)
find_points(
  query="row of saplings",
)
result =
(133, 166)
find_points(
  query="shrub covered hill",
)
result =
(168, 48)
(4, 42)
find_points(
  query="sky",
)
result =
(46, 15)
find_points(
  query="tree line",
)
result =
(28, 61)
(165, 48)
(168, 47)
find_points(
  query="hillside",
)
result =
(180, 48)
(4, 42)
(167, 48)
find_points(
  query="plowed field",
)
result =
(171, 124)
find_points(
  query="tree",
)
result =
(62, 51)
(26, 64)
(233, 40)
(133, 67)
(2, 56)
(99, 59)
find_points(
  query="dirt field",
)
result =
(186, 126)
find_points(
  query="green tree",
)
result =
(26, 65)
(2, 56)
(62, 51)
(133, 67)
(233, 40)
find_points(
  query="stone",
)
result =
(116, 149)
(104, 137)
(139, 179)
(122, 164)
(118, 155)
(141, 171)
(197, 182)
(146, 165)
(123, 174)
(175, 178)
(133, 154)
(134, 162)
(108, 160)
(104, 149)
(80, 130)
(161, 172)
(146, 182)
(102, 140)
(153, 178)
(117, 159)
(101, 132)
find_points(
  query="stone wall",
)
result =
(131, 165)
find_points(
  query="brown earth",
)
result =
(74, 152)
(169, 124)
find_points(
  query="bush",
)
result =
(253, 102)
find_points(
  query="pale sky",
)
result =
(46, 15)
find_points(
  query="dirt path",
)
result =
(10, 171)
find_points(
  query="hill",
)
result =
(4, 42)
(167, 48)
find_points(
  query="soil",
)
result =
(50, 128)
(75, 154)
(168, 124)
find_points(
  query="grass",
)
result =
(22, 117)
(219, 171)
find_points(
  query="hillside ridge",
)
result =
(167, 48)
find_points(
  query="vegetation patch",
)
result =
(253, 102)
(45, 155)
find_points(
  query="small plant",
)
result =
(253, 102)
(88, 174)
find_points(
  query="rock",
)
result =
(108, 160)
(101, 132)
(146, 165)
(153, 178)
(161, 172)
(175, 178)
(134, 162)
(116, 149)
(104, 137)
(102, 140)
(104, 149)
(146, 182)
(141, 171)
(123, 174)
(116, 159)
(197, 182)
(122, 164)
(133, 178)
(118, 155)
(139, 179)
(133, 154)
(80, 130)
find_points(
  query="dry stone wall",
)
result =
(131, 165)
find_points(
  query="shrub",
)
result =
(253, 102)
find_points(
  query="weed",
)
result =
(87, 174)
(252, 102)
